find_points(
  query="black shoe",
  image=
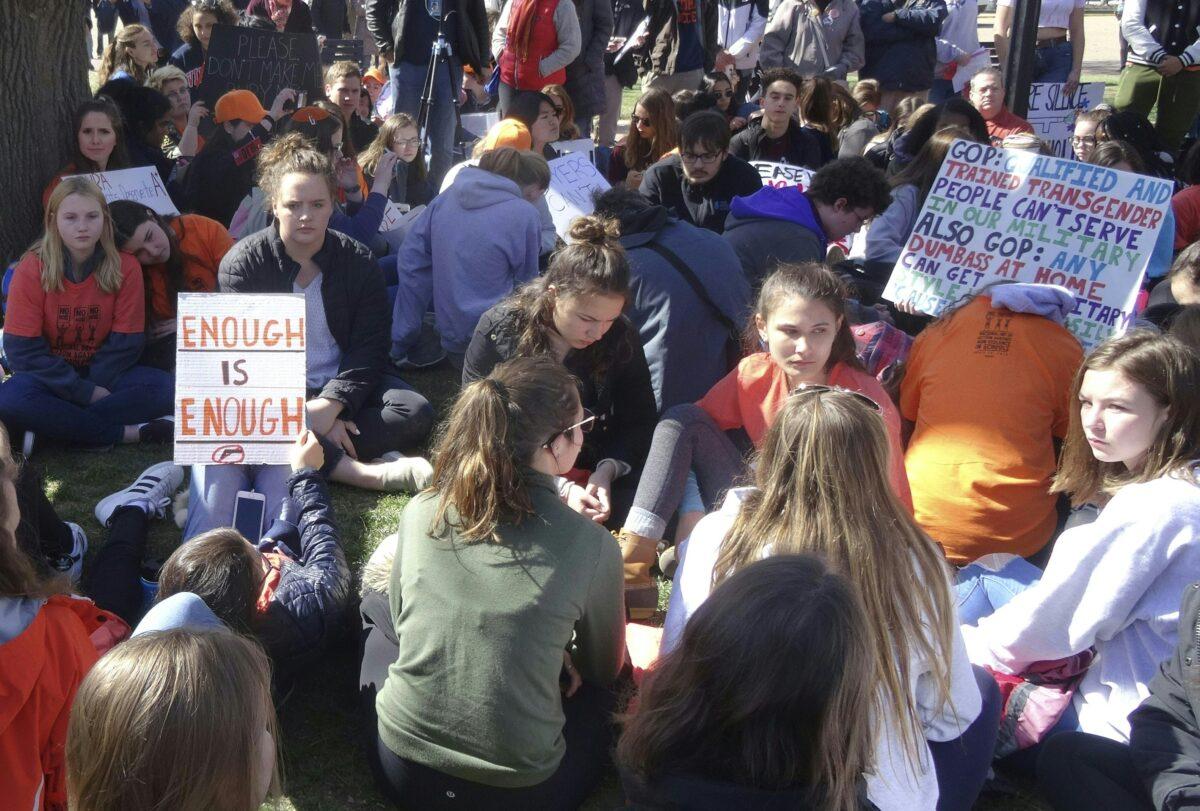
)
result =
(158, 432)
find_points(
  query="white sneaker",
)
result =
(72, 563)
(152, 490)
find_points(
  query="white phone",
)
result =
(248, 514)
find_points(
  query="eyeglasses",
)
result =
(585, 426)
(409, 142)
(817, 389)
(1087, 140)
(706, 158)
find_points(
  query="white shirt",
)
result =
(1055, 13)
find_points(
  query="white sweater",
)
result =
(1114, 583)
(893, 784)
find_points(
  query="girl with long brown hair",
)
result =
(575, 314)
(1132, 448)
(822, 487)
(74, 332)
(131, 55)
(175, 719)
(653, 132)
(398, 135)
(763, 701)
(494, 578)
(97, 142)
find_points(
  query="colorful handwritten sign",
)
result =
(996, 214)
(239, 378)
(142, 185)
(263, 62)
(573, 181)
(1052, 112)
(782, 175)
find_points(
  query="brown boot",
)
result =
(641, 592)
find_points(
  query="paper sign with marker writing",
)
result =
(782, 175)
(239, 378)
(573, 181)
(142, 185)
(398, 215)
(997, 214)
(1052, 112)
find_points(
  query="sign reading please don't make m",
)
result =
(995, 214)
(239, 378)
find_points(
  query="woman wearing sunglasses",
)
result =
(506, 610)
(717, 85)
(653, 132)
(821, 487)
(574, 314)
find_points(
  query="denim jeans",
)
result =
(408, 80)
(990, 582)
(1054, 63)
(139, 395)
(942, 90)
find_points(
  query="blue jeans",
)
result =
(962, 763)
(990, 582)
(1054, 63)
(408, 81)
(212, 495)
(139, 395)
(942, 90)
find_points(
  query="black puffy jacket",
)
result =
(309, 602)
(356, 303)
(622, 397)
(1165, 728)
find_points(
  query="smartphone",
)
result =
(248, 514)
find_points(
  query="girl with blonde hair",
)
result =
(131, 55)
(822, 487)
(175, 719)
(74, 331)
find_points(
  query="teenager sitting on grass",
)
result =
(74, 332)
(506, 606)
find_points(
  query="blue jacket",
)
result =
(471, 247)
(682, 337)
(310, 599)
(901, 54)
(772, 226)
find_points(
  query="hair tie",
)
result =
(499, 388)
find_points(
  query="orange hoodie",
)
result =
(41, 667)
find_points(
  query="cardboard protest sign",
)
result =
(782, 175)
(342, 50)
(141, 184)
(1052, 112)
(573, 181)
(239, 378)
(996, 214)
(263, 62)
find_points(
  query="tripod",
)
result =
(439, 55)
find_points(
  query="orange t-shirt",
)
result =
(203, 243)
(76, 321)
(67, 171)
(751, 395)
(988, 389)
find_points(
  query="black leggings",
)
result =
(1078, 771)
(395, 417)
(114, 583)
(588, 731)
(41, 534)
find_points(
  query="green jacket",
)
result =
(482, 629)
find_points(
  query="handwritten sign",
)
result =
(783, 175)
(398, 215)
(142, 185)
(239, 378)
(1052, 112)
(995, 214)
(573, 181)
(263, 62)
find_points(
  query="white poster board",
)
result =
(573, 181)
(398, 215)
(1052, 112)
(478, 124)
(782, 175)
(999, 214)
(577, 145)
(141, 184)
(239, 377)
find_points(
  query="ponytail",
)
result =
(495, 428)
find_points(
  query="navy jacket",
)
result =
(309, 602)
(901, 55)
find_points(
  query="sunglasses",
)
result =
(634, 120)
(585, 425)
(817, 389)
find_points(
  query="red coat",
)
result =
(521, 68)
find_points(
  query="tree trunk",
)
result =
(44, 64)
